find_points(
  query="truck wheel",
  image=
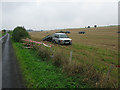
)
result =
(70, 43)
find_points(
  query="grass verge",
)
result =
(40, 74)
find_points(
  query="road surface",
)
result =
(0, 63)
(11, 76)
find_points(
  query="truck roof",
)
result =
(59, 33)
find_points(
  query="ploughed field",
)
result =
(97, 47)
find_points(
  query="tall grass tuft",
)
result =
(43, 52)
(60, 59)
(73, 68)
(91, 75)
(110, 83)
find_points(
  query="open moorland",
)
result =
(97, 47)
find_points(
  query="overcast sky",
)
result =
(57, 14)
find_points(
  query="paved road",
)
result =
(11, 76)
(0, 64)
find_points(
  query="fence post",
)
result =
(70, 57)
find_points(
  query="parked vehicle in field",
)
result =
(82, 32)
(60, 32)
(61, 38)
(67, 32)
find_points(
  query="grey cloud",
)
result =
(52, 15)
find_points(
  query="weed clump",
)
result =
(73, 68)
(43, 52)
(91, 75)
(36, 48)
(110, 83)
(59, 59)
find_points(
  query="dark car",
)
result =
(82, 32)
(67, 32)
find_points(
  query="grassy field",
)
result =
(40, 74)
(97, 47)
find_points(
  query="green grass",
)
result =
(100, 59)
(105, 55)
(98, 47)
(0, 34)
(3, 34)
(41, 74)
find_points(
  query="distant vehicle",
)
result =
(30, 30)
(82, 32)
(67, 32)
(61, 38)
(60, 32)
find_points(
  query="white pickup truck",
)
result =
(61, 38)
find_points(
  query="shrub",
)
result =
(3, 32)
(36, 48)
(104, 83)
(91, 75)
(43, 52)
(20, 33)
(74, 68)
(59, 59)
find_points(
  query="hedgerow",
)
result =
(19, 33)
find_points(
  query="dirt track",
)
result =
(11, 76)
